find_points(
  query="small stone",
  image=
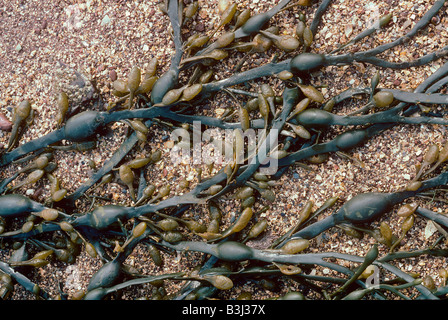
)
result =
(348, 30)
(106, 20)
(430, 229)
(5, 124)
(18, 48)
(200, 27)
(113, 75)
(407, 24)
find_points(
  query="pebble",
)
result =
(200, 27)
(113, 75)
(430, 229)
(106, 20)
(5, 124)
